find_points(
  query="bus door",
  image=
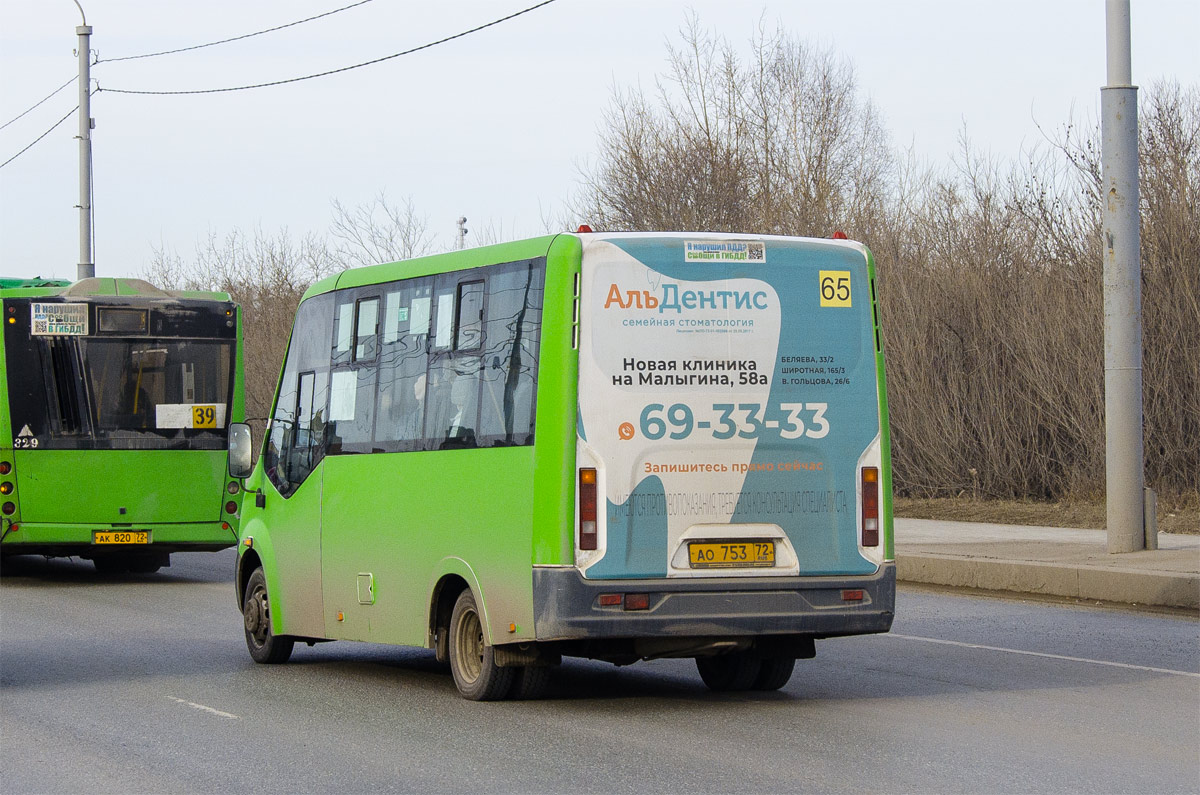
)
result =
(293, 461)
(728, 405)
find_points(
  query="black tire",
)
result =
(264, 645)
(111, 564)
(775, 673)
(530, 682)
(472, 661)
(736, 670)
(148, 563)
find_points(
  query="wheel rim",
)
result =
(468, 645)
(258, 616)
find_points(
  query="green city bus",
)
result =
(116, 399)
(612, 446)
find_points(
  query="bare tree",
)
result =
(266, 275)
(776, 142)
(378, 232)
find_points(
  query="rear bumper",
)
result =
(566, 606)
(76, 539)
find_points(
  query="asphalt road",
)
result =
(143, 684)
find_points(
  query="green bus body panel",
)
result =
(558, 382)
(436, 263)
(391, 516)
(885, 427)
(91, 486)
(385, 516)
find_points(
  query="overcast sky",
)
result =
(494, 126)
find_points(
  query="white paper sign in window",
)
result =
(189, 415)
(342, 393)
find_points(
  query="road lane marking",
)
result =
(203, 708)
(1044, 654)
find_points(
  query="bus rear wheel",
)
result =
(775, 673)
(736, 670)
(472, 661)
(264, 645)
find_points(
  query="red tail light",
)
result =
(870, 507)
(587, 509)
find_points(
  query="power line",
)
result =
(40, 137)
(235, 38)
(188, 49)
(52, 93)
(344, 68)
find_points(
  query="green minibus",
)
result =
(604, 445)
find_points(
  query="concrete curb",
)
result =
(1111, 584)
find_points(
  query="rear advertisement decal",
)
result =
(719, 408)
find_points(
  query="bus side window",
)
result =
(400, 414)
(452, 410)
(510, 356)
(352, 381)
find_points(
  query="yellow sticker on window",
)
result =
(204, 416)
(835, 288)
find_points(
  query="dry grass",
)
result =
(1171, 519)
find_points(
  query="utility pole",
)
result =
(86, 268)
(462, 232)
(1124, 472)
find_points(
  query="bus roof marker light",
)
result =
(583, 229)
(839, 235)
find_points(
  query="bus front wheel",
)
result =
(264, 645)
(472, 661)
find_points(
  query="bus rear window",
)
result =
(164, 388)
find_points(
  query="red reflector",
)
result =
(637, 601)
(587, 508)
(609, 599)
(852, 596)
(870, 507)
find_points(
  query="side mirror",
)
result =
(240, 443)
